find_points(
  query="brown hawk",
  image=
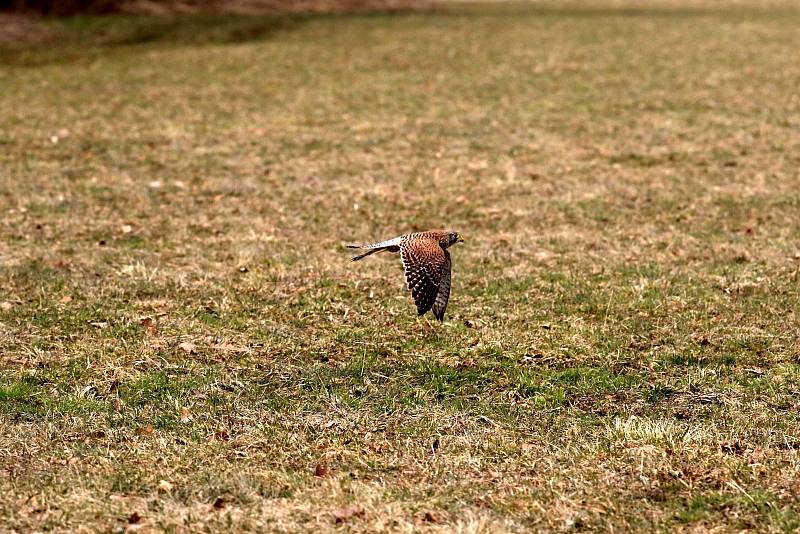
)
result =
(426, 263)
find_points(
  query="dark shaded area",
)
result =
(80, 39)
(167, 7)
(61, 7)
(181, 30)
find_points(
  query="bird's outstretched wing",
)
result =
(424, 264)
(440, 304)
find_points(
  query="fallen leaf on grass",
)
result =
(219, 503)
(519, 505)
(165, 486)
(347, 512)
(321, 470)
(145, 430)
(188, 347)
(186, 415)
(431, 517)
(229, 347)
(134, 518)
(149, 325)
(6, 306)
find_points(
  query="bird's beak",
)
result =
(459, 239)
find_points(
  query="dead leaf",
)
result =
(186, 415)
(511, 171)
(134, 518)
(6, 306)
(478, 165)
(145, 430)
(520, 505)
(165, 486)
(431, 517)
(732, 447)
(222, 435)
(219, 503)
(229, 347)
(149, 325)
(321, 470)
(188, 347)
(126, 228)
(343, 514)
(66, 298)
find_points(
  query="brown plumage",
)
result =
(426, 263)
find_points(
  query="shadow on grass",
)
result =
(197, 29)
(82, 38)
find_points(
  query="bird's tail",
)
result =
(392, 245)
(364, 255)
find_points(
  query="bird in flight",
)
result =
(426, 262)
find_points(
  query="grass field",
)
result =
(185, 345)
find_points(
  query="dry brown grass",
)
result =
(186, 346)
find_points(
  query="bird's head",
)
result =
(451, 238)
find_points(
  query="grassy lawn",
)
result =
(185, 345)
